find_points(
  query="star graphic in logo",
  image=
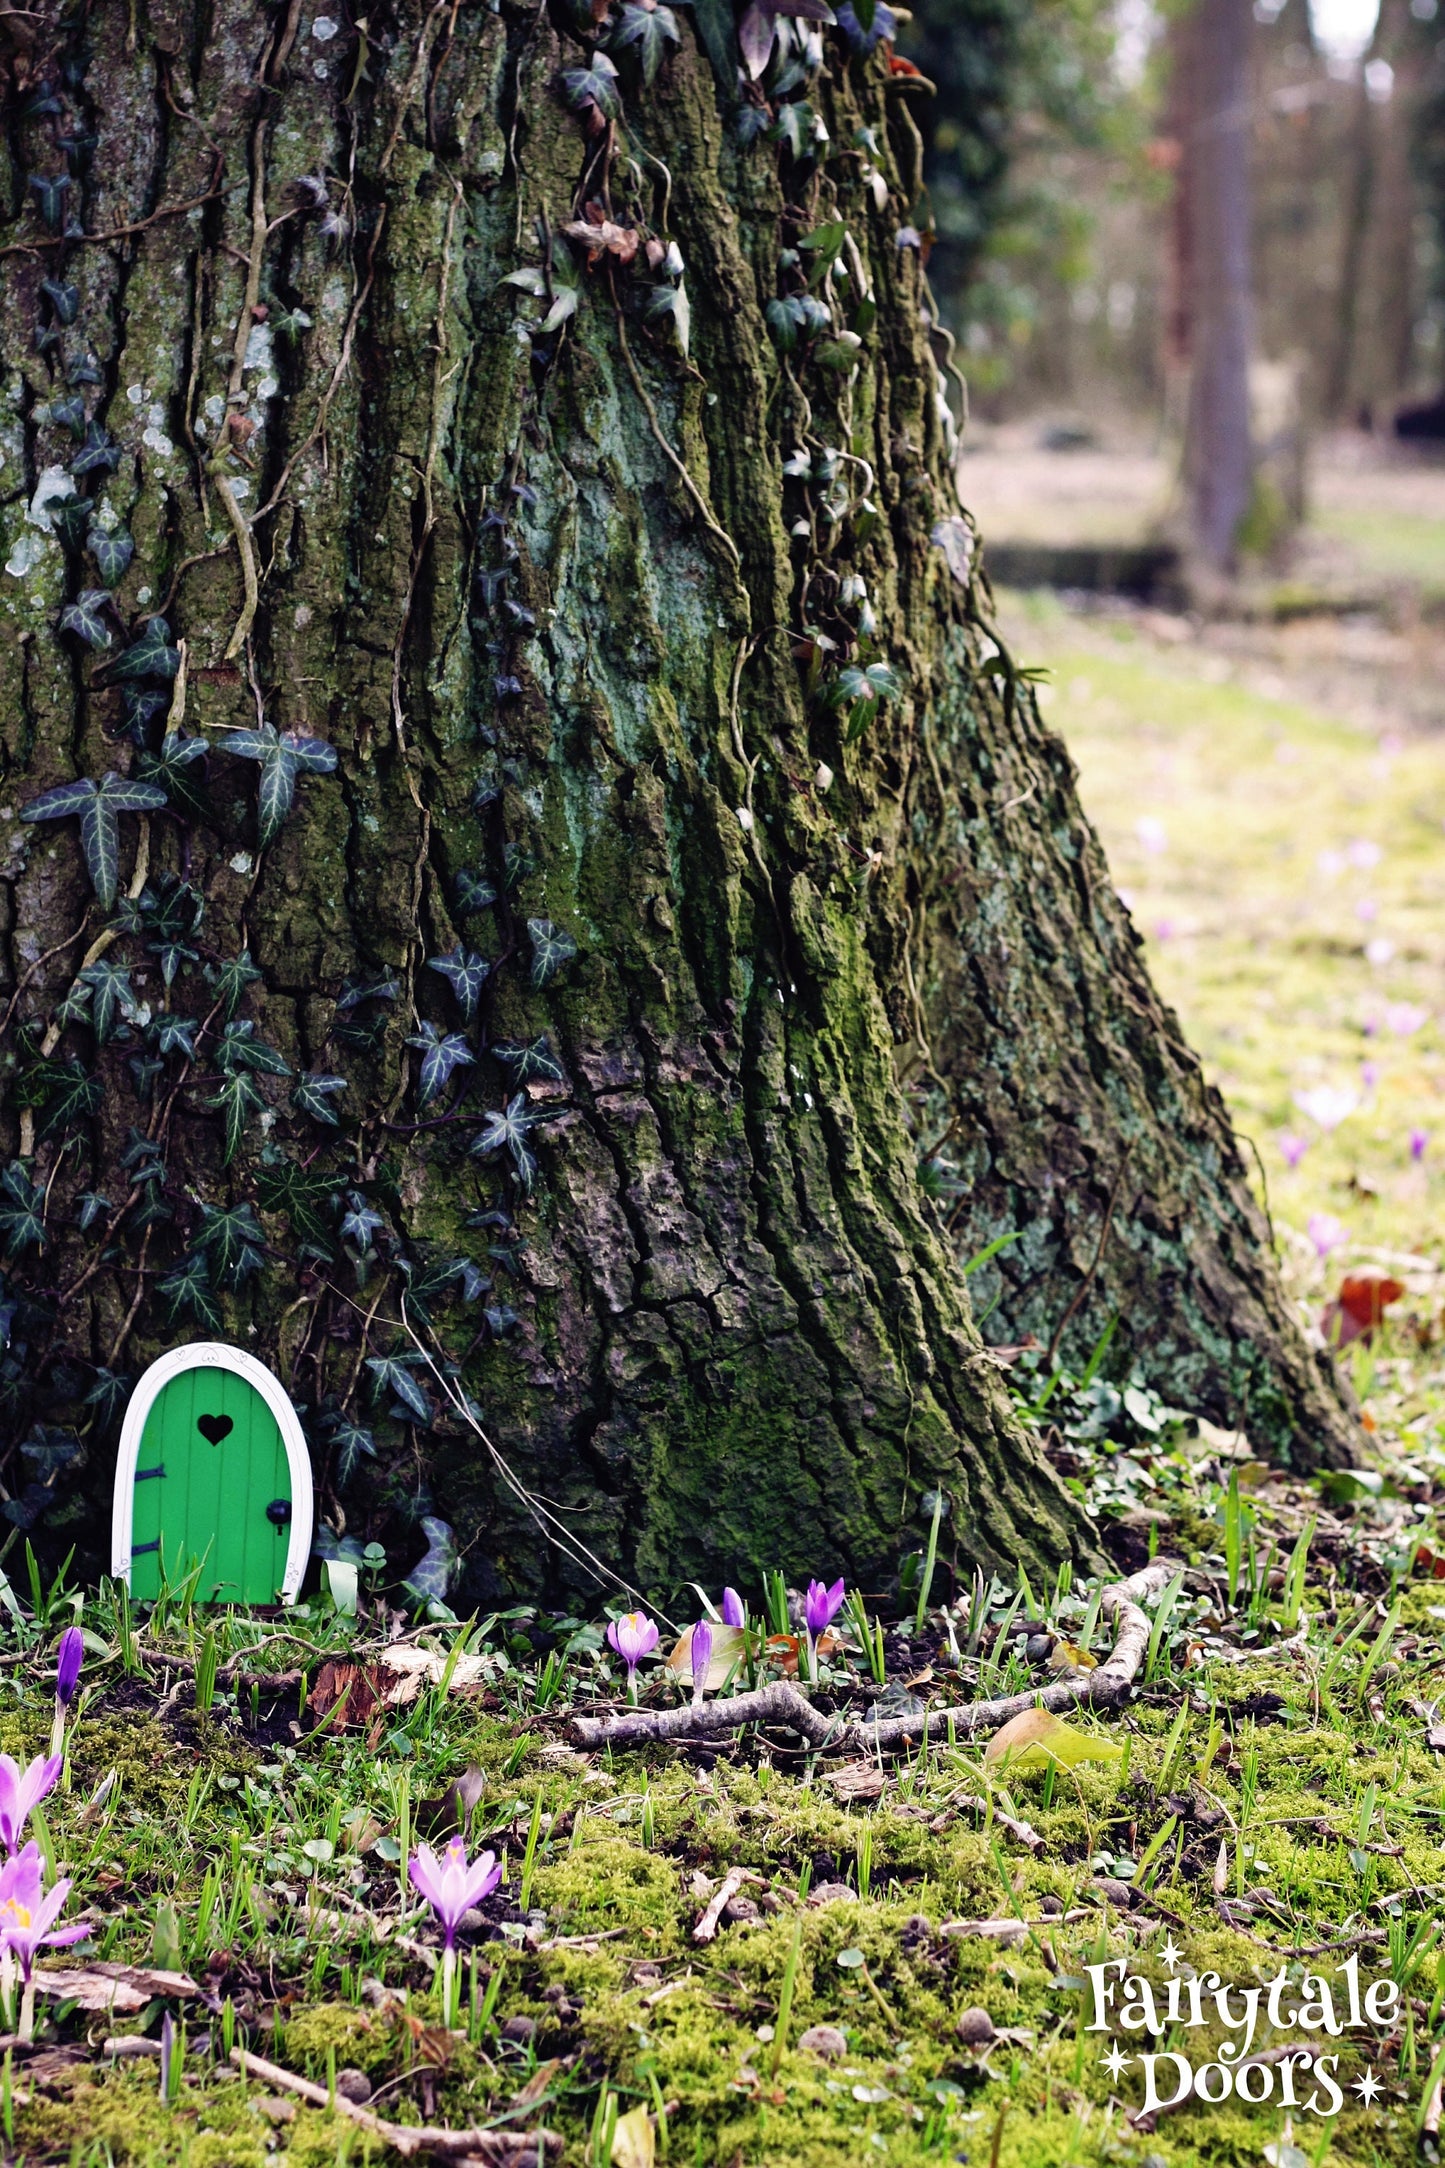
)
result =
(1115, 2061)
(1367, 2087)
(1169, 1954)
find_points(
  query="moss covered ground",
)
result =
(1277, 1808)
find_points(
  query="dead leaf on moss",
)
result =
(123, 1989)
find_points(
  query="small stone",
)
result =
(976, 2028)
(832, 1893)
(355, 2086)
(472, 1921)
(1051, 1906)
(1117, 1893)
(917, 1928)
(738, 1909)
(1038, 1648)
(521, 2031)
(275, 2109)
(825, 2040)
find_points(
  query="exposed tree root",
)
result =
(1106, 1688)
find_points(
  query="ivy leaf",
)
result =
(283, 756)
(142, 1159)
(99, 453)
(552, 947)
(187, 1291)
(797, 126)
(671, 301)
(50, 1449)
(861, 689)
(238, 1099)
(175, 1034)
(360, 1222)
(239, 1048)
(139, 707)
(97, 805)
(151, 656)
(442, 1054)
(50, 191)
(718, 34)
(282, 1186)
(63, 299)
(85, 616)
(70, 521)
(75, 1096)
(21, 1207)
(472, 893)
(313, 1095)
(434, 1573)
(108, 1395)
(466, 973)
(593, 85)
(353, 993)
(112, 552)
(111, 996)
(393, 1374)
(535, 1059)
(506, 1131)
(232, 1243)
(353, 1442)
(232, 978)
(651, 29)
(171, 954)
(92, 1204)
(69, 413)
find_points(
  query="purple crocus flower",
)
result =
(734, 1610)
(700, 1648)
(822, 1605)
(1419, 1139)
(23, 1790)
(28, 1910)
(1326, 1233)
(633, 1636)
(450, 1885)
(68, 1660)
(1369, 1074)
(1292, 1147)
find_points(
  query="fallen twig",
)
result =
(727, 1889)
(781, 1703)
(492, 2147)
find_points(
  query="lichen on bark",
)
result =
(571, 598)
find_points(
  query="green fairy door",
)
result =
(212, 1489)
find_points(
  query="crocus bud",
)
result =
(701, 1654)
(734, 1610)
(68, 1660)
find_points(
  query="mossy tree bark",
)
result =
(533, 998)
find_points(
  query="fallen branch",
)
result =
(493, 2148)
(1108, 1687)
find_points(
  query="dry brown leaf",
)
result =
(123, 1989)
(605, 237)
(858, 1780)
(537, 2084)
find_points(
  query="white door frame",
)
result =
(213, 1355)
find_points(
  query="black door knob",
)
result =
(279, 1512)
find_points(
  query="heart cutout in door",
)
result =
(214, 1427)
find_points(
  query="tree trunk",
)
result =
(1218, 460)
(556, 623)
